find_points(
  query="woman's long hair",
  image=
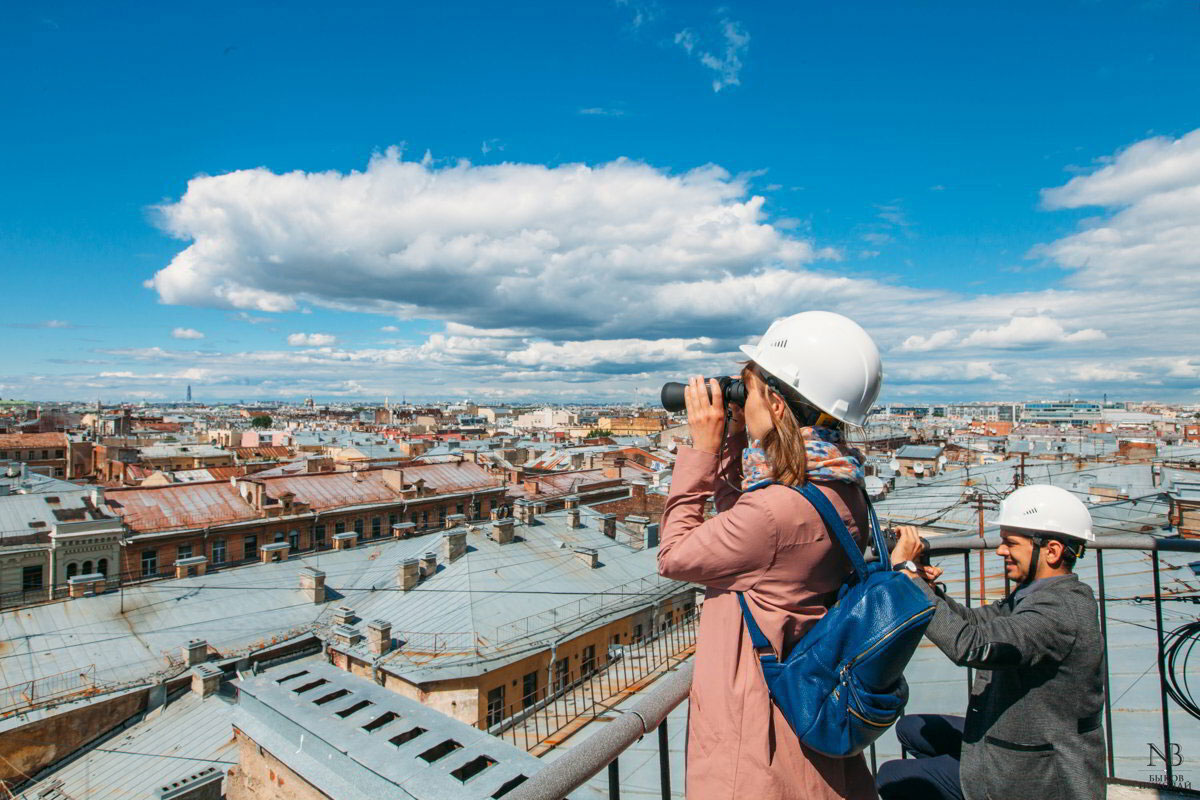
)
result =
(784, 444)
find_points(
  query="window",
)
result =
(102, 566)
(185, 551)
(3, 455)
(392, 520)
(358, 527)
(442, 517)
(218, 551)
(425, 518)
(58, 472)
(87, 568)
(562, 674)
(529, 688)
(72, 570)
(589, 661)
(637, 633)
(31, 578)
(250, 547)
(376, 527)
(279, 536)
(45, 454)
(339, 527)
(149, 563)
(495, 706)
(318, 535)
(294, 540)
(58, 453)
(458, 509)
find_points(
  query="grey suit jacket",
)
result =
(1033, 727)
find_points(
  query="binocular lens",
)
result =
(732, 389)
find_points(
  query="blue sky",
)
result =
(908, 159)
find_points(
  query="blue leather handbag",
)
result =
(842, 684)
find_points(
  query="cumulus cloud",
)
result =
(186, 333)
(311, 339)
(1029, 332)
(934, 341)
(558, 249)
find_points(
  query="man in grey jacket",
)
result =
(1033, 722)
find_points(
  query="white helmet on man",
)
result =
(1046, 509)
(826, 358)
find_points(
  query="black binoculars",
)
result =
(891, 536)
(733, 390)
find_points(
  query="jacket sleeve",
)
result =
(1040, 629)
(729, 551)
(729, 472)
(973, 614)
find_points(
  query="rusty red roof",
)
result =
(188, 505)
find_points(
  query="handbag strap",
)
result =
(756, 635)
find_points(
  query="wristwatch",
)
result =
(910, 565)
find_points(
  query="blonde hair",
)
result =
(784, 443)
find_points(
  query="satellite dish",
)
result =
(941, 460)
(918, 468)
(894, 465)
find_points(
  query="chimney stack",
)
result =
(428, 564)
(454, 520)
(608, 524)
(502, 531)
(312, 583)
(343, 615)
(195, 652)
(573, 518)
(454, 545)
(206, 679)
(379, 636)
(402, 530)
(588, 555)
(410, 573)
(524, 511)
(638, 524)
(570, 502)
(650, 539)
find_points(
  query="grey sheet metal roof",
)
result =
(169, 743)
(135, 636)
(334, 746)
(922, 451)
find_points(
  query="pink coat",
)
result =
(771, 545)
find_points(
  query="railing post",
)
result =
(1162, 672)
(664, 760)
(614, 780)
(1108, 734)
(967, 594)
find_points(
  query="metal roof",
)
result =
(919, 451)
(187, 734)
(371, 742)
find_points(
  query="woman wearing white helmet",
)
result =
(809, 377)
(1032, 727)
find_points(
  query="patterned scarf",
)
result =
(827, 458)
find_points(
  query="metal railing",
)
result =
(603, 750)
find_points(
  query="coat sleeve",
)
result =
(1040, 629)
(729, 472)
(975, 614)
(729, 551)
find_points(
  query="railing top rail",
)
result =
(560, 778)
(944, 545)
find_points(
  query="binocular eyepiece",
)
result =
(732, 389)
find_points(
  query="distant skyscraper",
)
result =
(189, 399)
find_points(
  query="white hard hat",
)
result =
(826, 358)
(1042, 508)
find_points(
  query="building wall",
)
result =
(33, 747)
(261, 776)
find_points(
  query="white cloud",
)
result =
(627, 353)
(1029, 332)
(556, 249)
(56, 323)
(726, 58)
(389, 329)
(311, 339)
(1097, 373)
(598, 111)
(186, 333)
(934, 341)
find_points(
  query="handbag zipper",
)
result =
(902, 626)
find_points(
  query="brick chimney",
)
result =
(502, 531)
(379, 636)
(573, 518)
(402, 530)
(531, 485)
(608, 524)
(343, 615)
(614, 469)
(524, 511)
(206, 679)
(571, 501)
(454, 545)
(312, 583)
(428, 564)
(588, 555)
(638, 524)
(637, 491)
(195, 652)
(409, 573)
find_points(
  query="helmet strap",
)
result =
(1033, 562)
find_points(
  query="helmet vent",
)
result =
(1030, 510)
(779, 343)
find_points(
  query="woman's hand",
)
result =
(908, 548)
(706, 414)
